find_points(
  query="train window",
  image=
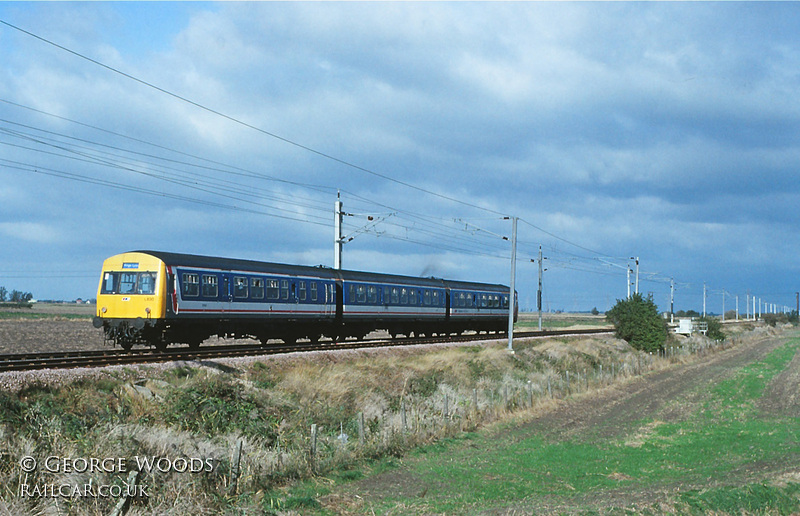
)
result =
(256, 288)
(284, 289)
(462, 299)
(361, 294)
(505, 301)
(426, 298)
(302, 291)
(403, 296)
(412, 297)
(239, 287)
(127, 283)
(210, 286)
(147, 283)
(436, 298)
(372, 295)
(273, 292)
(395, 296)
(313, 290)
(190, 286)
(109, 282)
(484, 301)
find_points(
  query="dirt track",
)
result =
(670, 395)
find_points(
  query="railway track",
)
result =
(100, 358)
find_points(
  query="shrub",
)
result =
(714, 329)
(637, 321)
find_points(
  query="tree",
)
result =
(3, 294)
(637, 321)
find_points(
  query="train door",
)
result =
(330, 299)
(225, 294)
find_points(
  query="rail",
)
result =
(100, 358)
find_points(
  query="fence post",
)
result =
(313, 447)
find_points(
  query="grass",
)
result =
(725, 436)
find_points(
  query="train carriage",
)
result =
(157, 298)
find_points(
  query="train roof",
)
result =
(200, 261)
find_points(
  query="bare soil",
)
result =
(668, 395)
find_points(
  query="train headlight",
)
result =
(104, 309)
(147, 310)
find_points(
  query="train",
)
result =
(155, 298)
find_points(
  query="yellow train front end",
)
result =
(132, 299)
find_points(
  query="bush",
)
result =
(714, 328)
(637, 321)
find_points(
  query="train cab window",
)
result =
(147, 283)
(256, 288)
(109, 282)
(284, 289)
(273, 292)
(302, 291)
(239, 287)
(190, 285)
(313, 287)
(127, 283)
(403, 296)
(426, 298)
(210, 286)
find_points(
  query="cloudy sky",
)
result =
(663, 131)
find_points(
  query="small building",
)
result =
(687, 326)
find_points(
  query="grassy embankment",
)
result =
(724, 444)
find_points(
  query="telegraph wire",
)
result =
(248, 125)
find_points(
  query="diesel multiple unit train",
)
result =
(159, 298)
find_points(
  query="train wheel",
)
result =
(125, 344)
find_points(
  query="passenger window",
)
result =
(210, 287)
(395, 296)
(427, 298)
(190, 286)
(436, 298)
(484, 301)
(240, 287)
(505, 301)
(302, 291)
(412, 297)
(313, 290)
(273, 292)
(361, 294)
(256, 288)
(403, 296)
(284, 289)
(372, 294)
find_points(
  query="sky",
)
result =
(666, 132)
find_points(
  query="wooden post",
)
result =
(361, 428)
(403, 416)
(313, 445)
(237, 457)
